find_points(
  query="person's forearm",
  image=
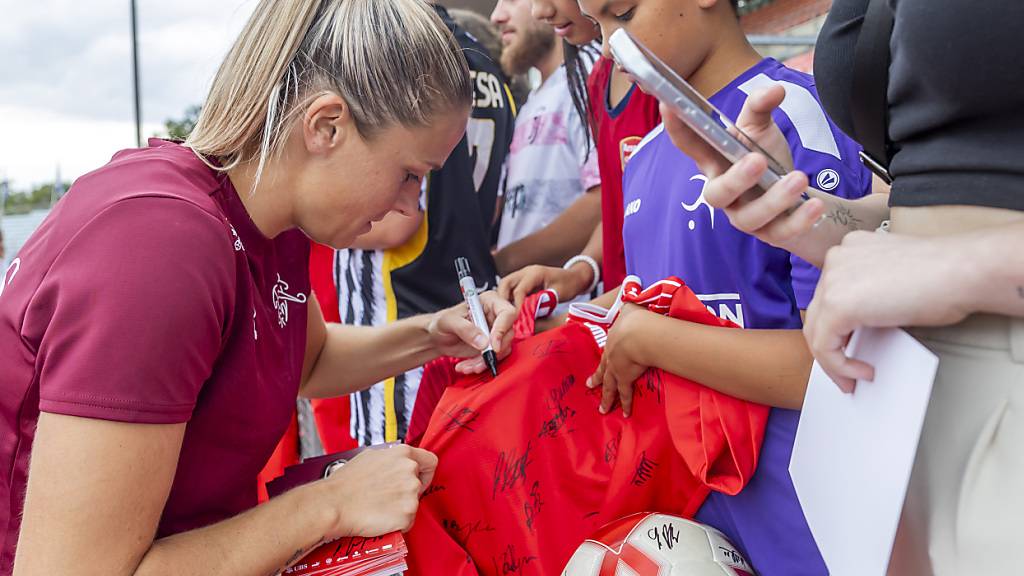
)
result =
(276, 535)
(560, 240)
(766, 366)
(354, 358)
(581, 271)
(595, 246)
(841, 217)
(994, 267)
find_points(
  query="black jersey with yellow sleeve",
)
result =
(375, 287)
(461, 197)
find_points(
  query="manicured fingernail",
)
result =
(602, 409)
(590, 383)
(480, 342)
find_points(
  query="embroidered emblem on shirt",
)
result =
(238, 241)
(700, 202)
(280, 298)
(627, 146)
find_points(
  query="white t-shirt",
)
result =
(548, 164)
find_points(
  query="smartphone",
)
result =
(657, 79)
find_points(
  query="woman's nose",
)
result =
(408, 203)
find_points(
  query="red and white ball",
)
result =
(652, 544)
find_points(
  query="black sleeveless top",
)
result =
(956, 97)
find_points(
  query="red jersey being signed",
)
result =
(529, 468)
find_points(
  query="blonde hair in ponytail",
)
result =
(392, 61)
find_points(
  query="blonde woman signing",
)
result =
(156, 329)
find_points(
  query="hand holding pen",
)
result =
(454, 333)
(476, 312)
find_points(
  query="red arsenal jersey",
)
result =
(618, 131)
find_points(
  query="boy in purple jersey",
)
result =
(670, 230)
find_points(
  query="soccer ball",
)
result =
(652, 544)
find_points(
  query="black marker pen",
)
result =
(476, 312)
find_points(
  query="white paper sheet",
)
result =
(854, 452)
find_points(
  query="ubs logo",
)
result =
(280, 298)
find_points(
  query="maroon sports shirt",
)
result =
(149, 296)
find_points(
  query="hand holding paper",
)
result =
(853, 453)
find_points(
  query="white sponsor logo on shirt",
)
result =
(632, 208)
(9, 274)
(725, 306)
(280, 298)
(828, 180)
(699, 202)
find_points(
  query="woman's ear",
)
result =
(326, 123)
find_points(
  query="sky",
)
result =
(66, 84)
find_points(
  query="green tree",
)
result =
(23, 202)
(180, 128)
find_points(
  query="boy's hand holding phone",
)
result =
(771, 216)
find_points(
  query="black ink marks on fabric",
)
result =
(557, 394)
(510, 470)
(550, 348)
(650, 384)
(611, 449)
(461, 418)
(665, 536)
(644, 470)
(462, 533)
(557, 422)
(532, 506)
(433, 489)
(560, 414)
(844, 217)
(510, 562)
(591, 514)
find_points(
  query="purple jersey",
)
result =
(744, 280)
